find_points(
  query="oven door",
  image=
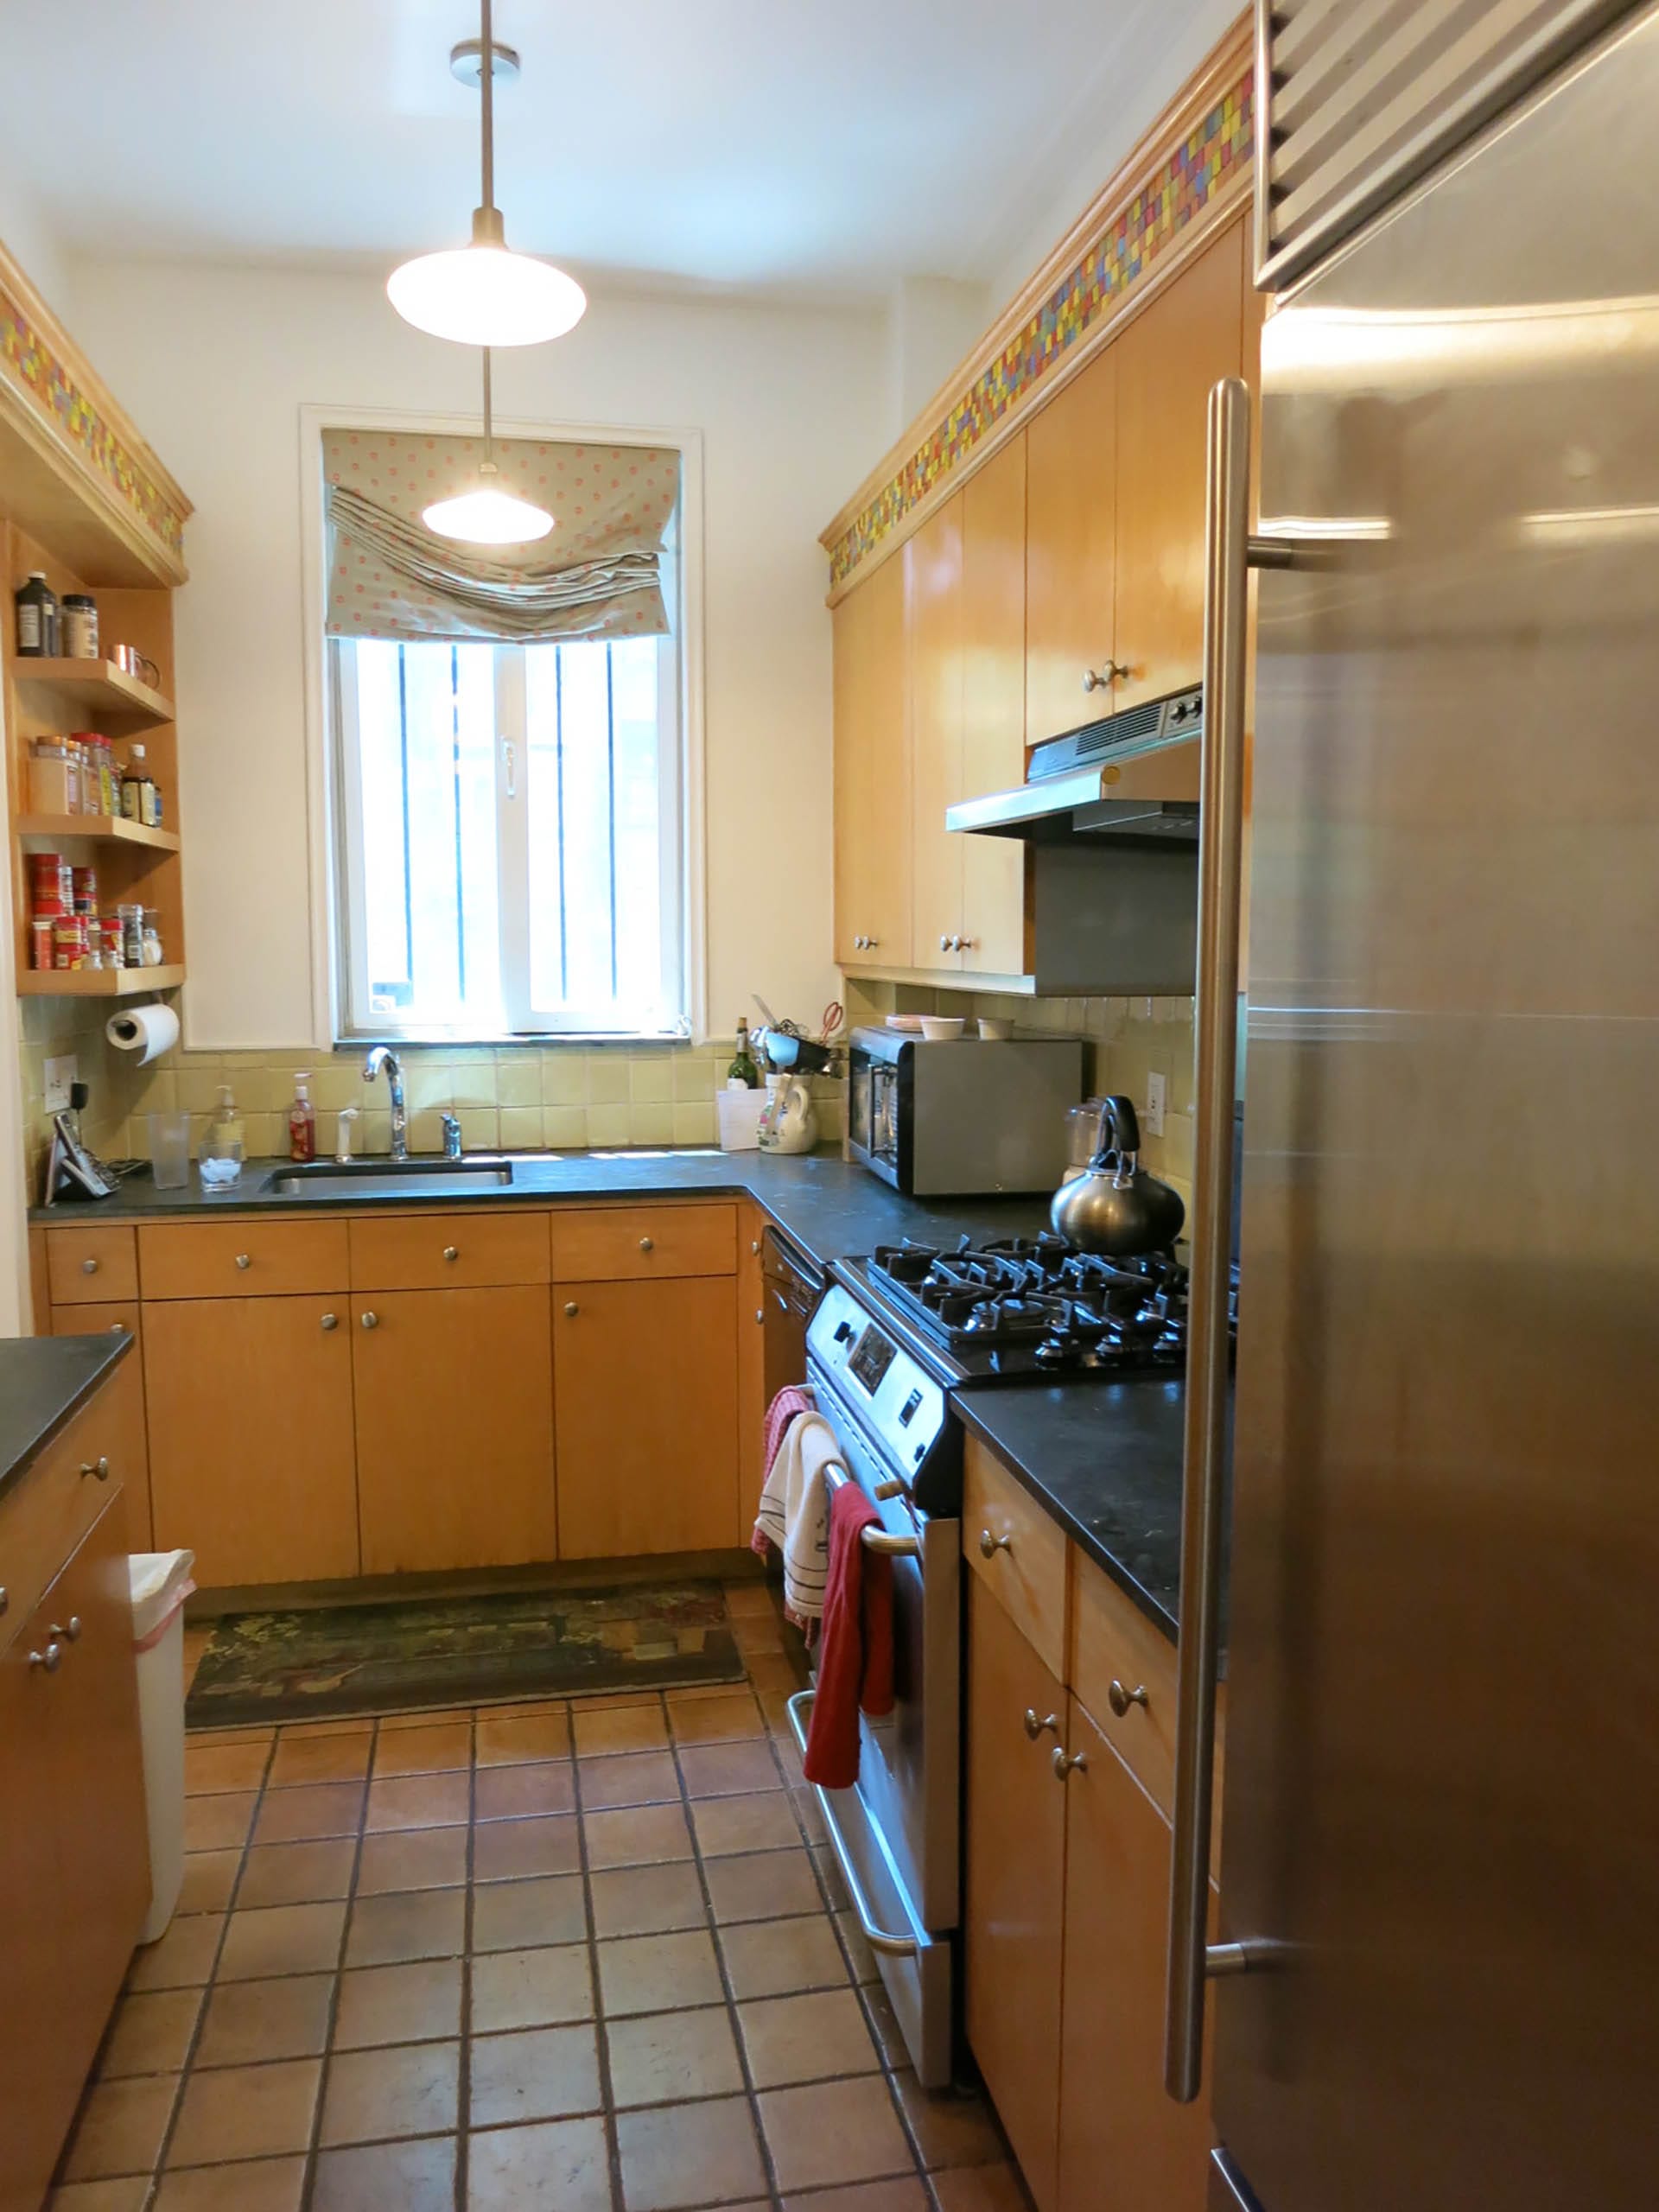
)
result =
(872, 1114)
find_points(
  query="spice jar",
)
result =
(78, 626)
(69, 942)
(84, 881)
(53, 781)
(51, 884)
(154, 957)
(40, 941)
(131, 920)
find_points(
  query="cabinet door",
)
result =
(933, 659)
(872, 826)
(455, 1429)
(73, 1852)
(1015, 1869)
(250, 1455)
(1125, 2147)
(1071, 552)
(1167, 360)
(994, 706)
(646, 1416)
(122, 1404)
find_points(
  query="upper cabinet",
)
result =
(1072, 553)
(933, 690)
(871, 803)
(994, 706)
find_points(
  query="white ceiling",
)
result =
(772, 144)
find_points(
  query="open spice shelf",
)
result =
(98, 685)
(95, 983)
(96, 829)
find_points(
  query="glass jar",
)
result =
(132, 936)
(53, 782)
(154, 957)
(78, 626)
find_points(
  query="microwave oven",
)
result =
(958, 1115)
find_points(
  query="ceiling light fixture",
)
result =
(488, 516)
(484, 294)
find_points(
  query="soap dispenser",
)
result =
(302, 1122)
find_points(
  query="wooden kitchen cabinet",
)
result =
(1015, 1855)
(933, 686)
(251, 1440)
(1168, 359)
(121, 1402)
(646, 1414)
(1124, 2146)
(994, 706)
(455, 1429)
(872, 774)
(1072, 535)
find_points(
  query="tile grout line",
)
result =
(601, 2028)
(312, 2151)
(464, 2056)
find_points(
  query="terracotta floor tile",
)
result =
(980, 2189)
(438, 1747)
(717, 1719)
(756, 1634)
(259, 2185)
(412, 1859)
(315, 1808)
(654, 1973)
(688, 2154)
(665, 2057)
(647, 1900)
(884, 2025)
(774, 1670)
(209, 1879)
(217, 1824)
(763, 1885)
(834, 2132)
(559, 2166)
(418, 1801)
(121, 2126)
(212, 1768)
(830, 1881)
(619, 1728)
(534, 2074)
(510, 1793)
(309, 1731)
(297, 1873)
(771, 1958)
(637, 1835)
(386, 2177)
(762, 1822)
(129, 2194)
(864, 1969)
(806, 2037)
(512, 1741)
(262, 1735)
(318, 1758)
(150, 2033)
(505, 1851)
(281, 1939)
(245, 2112)
(810, 1814)
(182, 1958)
(522, 1709)
(907, 2194)
(633, 1779)
(416, 2002)
(750, 1601)
(413, 2090)
(950, 2129)
(532, 1989)
(524, 1916)
(249, 2021)
(410, 1924)
(727, 1769)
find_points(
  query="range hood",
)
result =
(1134, 775)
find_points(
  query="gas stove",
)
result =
(1029, 1307)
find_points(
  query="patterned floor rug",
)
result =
(340, 1661)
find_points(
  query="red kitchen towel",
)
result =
(794, 1398)
(855, 1655)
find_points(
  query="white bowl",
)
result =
(998, 1032)
(938, 1026)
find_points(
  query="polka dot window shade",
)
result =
(598, 574)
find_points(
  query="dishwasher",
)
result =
(794, 1286)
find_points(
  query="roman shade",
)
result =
(597, 574)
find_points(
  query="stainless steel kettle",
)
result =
(1115, 1208)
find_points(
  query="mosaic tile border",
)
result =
(1184, 181)
(49, 383)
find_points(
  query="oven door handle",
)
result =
(878, 1540)
(799, 1708)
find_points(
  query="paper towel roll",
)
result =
(150, 1031)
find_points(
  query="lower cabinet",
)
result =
(1012, 1925)
(455, 1429)
(646, 1416)
(122, 1401)
(251, 1436)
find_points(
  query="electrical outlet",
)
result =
(59, 1074)
(1152, 1120)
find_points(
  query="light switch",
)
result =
(59, 1074)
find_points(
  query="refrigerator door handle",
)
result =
(1229, 551)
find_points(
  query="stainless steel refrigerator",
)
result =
(1436, 1986)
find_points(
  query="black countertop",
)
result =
(43, 1380)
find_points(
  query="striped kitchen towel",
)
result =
(795, 1513)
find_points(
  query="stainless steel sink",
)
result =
(433, 1178)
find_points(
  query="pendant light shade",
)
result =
(487, 515)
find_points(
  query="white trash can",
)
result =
(160, 1583)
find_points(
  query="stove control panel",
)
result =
(901, 1405)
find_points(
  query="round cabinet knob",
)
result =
(646, 1245)
(452, 1251)
(100, 1467)
(331, 1320)
(370, 1320)
(1050, 1724)
(69, 1633)
(754, 1244)
(244, 1262)
(964, 944)
(989, 1545)
(1064, 1764)
(89, 1266)
(760, 1314)
(5, 1599)
(572, 1309)
(1120, 1700)
(870, 944)
(945, 943)
(48, 1660)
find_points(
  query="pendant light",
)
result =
(484, 294)
(487, 515)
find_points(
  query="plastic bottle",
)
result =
(302, 1123)
(227, 1122)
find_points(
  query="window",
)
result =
(512, 833)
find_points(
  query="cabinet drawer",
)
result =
(56, 1502)
(1116, 1648)
(1017, 1551)
(242, 1259)
(632, 1244)
(448, 1251)
(87, 1266)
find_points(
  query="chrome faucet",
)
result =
(382, 1056)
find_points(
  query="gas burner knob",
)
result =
(1049, 1353)
(843, 1330)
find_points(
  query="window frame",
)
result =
(332, 803)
